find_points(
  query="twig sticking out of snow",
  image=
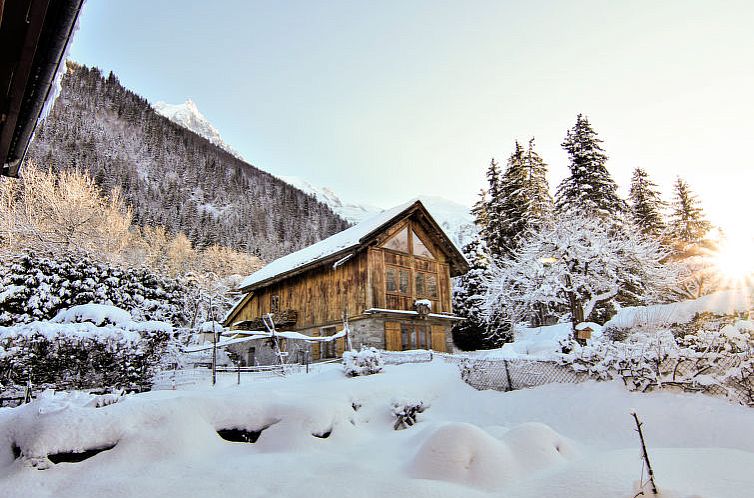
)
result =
(645, 456)
(406, 414)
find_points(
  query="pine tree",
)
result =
(687, 222)
(491, 208)
(507, 207)
(539, 205)
(589, 189)
(479, 210)
(646, 205)
(472, 333)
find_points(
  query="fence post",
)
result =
(508, 376)
(239, 374)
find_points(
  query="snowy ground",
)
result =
(551, 441)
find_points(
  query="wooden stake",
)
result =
(644, 453)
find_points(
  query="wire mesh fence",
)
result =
(723, 378)
(509, 375)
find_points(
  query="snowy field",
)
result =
(327, 435)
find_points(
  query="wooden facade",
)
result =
(376, 282)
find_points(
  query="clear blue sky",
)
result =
(386, 100)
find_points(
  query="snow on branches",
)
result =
(576, 264)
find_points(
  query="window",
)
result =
(397, 280)
(414, 336)
(406, 339)
(420, 249)
(398, 242)
(274, 304)
(426, 285)
(422, 337)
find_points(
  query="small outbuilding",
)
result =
(389, 276)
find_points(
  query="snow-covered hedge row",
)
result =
(83, 348)
(37, 288)
(719, 362)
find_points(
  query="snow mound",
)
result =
(465, 454)
(98, 314)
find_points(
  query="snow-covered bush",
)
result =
(37, 288)
(368, 361)
(719, 362)
(80, 354)
(406, 413)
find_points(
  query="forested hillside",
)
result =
(169, 175)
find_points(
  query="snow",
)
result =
(349, 211)
(720, 303)
(11, 291)
(454, 218)
(188, 116)
(342, 241)
(98, 314)
(536, 342)
(210, 327)
(560, 440)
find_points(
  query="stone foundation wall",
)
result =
(369, 332)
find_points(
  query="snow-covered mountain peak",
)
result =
(456, 219)
(187, 115)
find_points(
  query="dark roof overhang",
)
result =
(34, 35)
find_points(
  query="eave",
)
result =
(34, 35)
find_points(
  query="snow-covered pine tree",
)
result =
(468, 291)
(479, 210)
(492, 208)
(589, 189)
(521, 203)
(507, 206)
(646, 205)
(539, 205)
(687, 222)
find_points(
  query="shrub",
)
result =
(368, 361)
(82, 355)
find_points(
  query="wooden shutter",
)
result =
(393, 336)
(340, 346)
(438, 338)
(315, 351)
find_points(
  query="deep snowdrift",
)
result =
(328, 435)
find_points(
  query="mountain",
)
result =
(456, 219)
(188, 116)
(351, 212)
(171, 176)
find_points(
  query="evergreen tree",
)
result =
(646, 205)
(589, 189)
(491, 207)
(508, 207)
(687, 222)
(522, 201)
(469, 289)
(539, 205)
(479, 210)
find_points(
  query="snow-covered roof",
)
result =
(342, 241)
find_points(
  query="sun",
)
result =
(734, 258)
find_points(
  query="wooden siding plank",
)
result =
(393, 336)
(438, 338)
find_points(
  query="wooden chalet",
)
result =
(390, 275)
